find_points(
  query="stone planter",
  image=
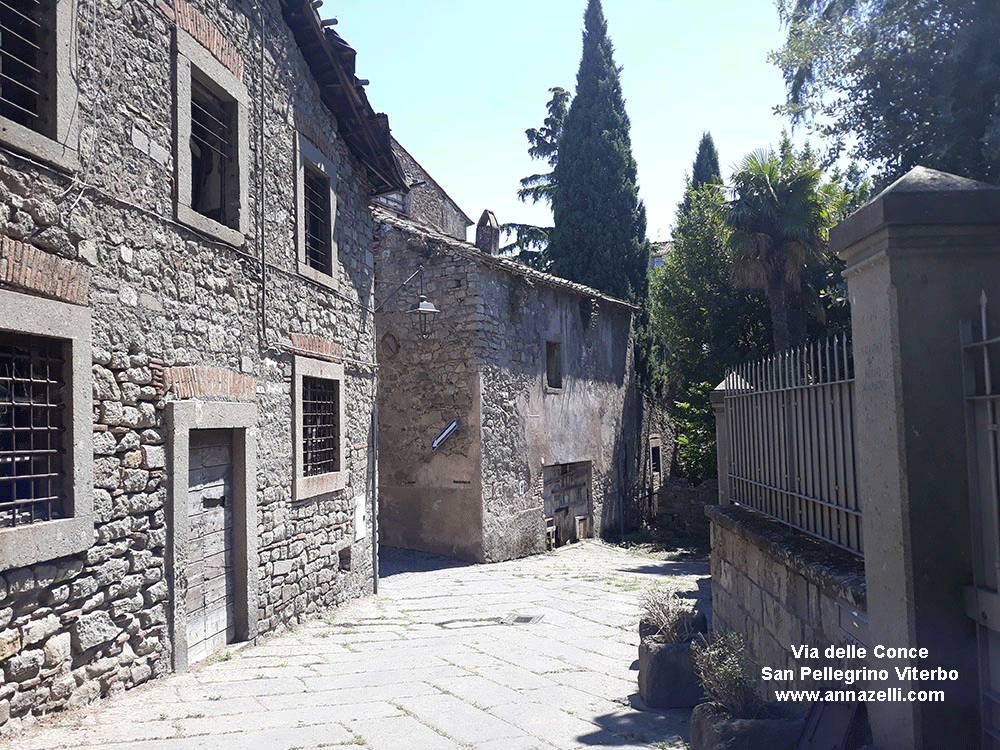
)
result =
(666, 675)
(712, 728)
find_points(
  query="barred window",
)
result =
(320, 426)
(214, 190)
(32, 406)
(27, 63)
(316, 187)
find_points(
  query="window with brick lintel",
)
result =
(212, 143)
(318, 404)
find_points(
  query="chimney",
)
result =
(488, 234)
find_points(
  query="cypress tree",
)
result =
(705, 170)
(599, 238)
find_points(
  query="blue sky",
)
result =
(462, 80)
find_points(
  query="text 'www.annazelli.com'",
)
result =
(889, 695)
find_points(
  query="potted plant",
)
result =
(667, 677)
(735, 717)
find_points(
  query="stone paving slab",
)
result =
(438, 660)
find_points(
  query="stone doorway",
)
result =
(212, 558)
(210, 579)
(566, 498)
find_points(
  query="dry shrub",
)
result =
(727, 674)
(669, 614)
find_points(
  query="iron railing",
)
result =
(791, 440)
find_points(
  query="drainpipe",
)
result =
(375, 486)
(260, 197)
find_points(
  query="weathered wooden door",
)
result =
(209, 571)
(982, 599)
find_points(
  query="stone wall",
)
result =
(426, 201)
(428, 499)
(527, 425)
(680, 507)
(780, 588)
(165, 301)
(479, 496)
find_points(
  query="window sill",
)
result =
(330, 282)
(307, 488)
(187, 215)
(21, 546)
(38, 146)
(550, 389)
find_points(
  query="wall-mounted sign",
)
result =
(444, 435)
(390, 346)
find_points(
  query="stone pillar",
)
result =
(718, 398)
(918, 258)
(488, 234)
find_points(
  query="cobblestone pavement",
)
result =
(532, 653)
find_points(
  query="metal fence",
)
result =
(791, 440)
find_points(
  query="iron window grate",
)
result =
(317, 221)
(32, 389)
(24, 58)
(211, 154)
(320, 426)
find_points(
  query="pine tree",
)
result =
(705, 170)
(599, 238)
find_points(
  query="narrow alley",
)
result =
(531, 653)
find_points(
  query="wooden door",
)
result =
(209, 570)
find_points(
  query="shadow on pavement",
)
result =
(394, 560)
(641, 726)
(670, 568)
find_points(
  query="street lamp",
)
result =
(422, 310)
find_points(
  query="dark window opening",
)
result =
(345, 558)
(655, 457)
(317, 221)
(27, 63)
(32, 393)
(214, 182)
(553, 365)
(320, 426)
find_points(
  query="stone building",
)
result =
(425, 198)
(187, 375)
(516, 422)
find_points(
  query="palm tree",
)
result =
(778, 219)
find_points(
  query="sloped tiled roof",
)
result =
(512, 267)
(332, 62)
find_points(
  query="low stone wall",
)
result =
(680, 507)
(782, 588)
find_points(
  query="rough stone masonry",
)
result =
(179, 316)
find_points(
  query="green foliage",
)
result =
(599, 238)
(703, 324)
(778, 219)
(727, 674)
(897, 82)
(545, 145)
(694, 421)
(530, 242)
(705, 170)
